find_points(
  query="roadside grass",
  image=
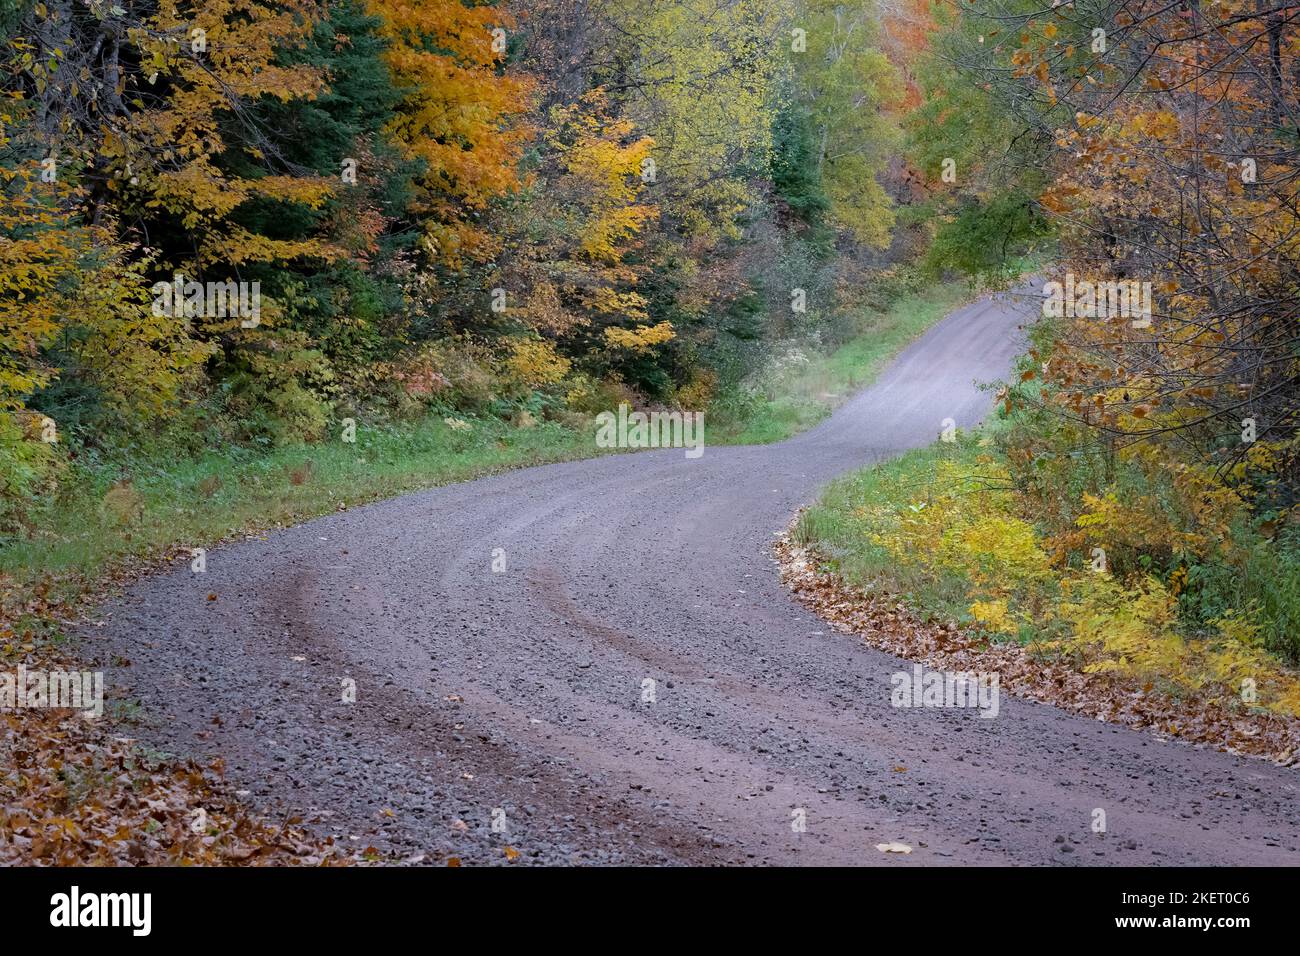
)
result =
(844, 534)
(148, 508)
(802, 399)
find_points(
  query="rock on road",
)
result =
(518, 696)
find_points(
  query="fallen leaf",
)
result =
(893, 848)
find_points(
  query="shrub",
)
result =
(469, 369)
(28, 466)
(534, 363)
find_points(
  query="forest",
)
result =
(501, 210)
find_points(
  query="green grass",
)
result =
(177, 502)
(194, 503)
(827, 381)
(842, 536)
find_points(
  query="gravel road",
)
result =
(509, 708)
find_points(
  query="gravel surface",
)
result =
(520, 696)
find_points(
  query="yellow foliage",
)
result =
(641, 338)
(1133, 631)
(699, 391)
(953, 527)
(1140, 526)
(578, 226)
(631, 305)
(170, 146)
(60, 278)
(461, 115)
(546, 312)
(1120, 629)
(607, 171)
(715, 70)
(958, 529)
(536, 363)
(38, 254)
(994, 616)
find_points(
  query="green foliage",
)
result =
(798, 387)
(192, 499)
(28, 468)
(265, 391)
(988, 214)
(796, 172)
(848, 88)
(986, 238)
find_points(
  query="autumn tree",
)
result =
(459, 116)
(849, 88)
(581, 219)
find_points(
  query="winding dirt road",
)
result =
(518, 696)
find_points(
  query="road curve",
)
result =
(517, 697)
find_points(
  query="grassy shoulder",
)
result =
(945, 529)
(168, 503)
